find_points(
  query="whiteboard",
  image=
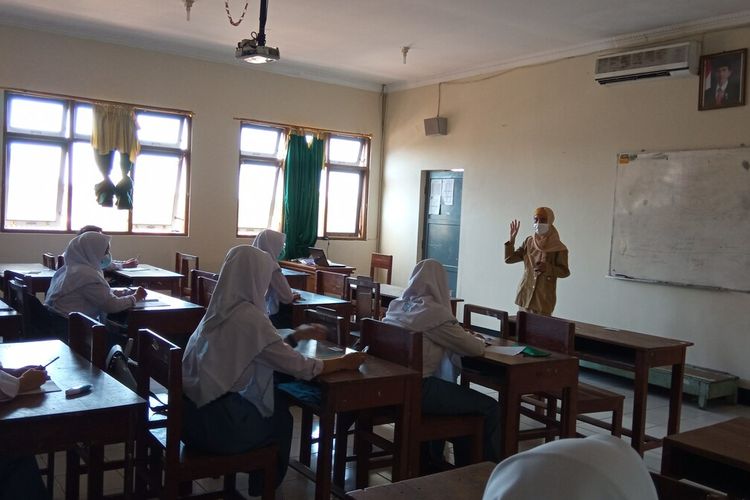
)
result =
(683, 217)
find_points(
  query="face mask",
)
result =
(541, 228)
(106, 261)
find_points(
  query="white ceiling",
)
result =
(358, 42)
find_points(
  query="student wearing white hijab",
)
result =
(20, 476)
(424, 306)
(595, 468)
(229, 363)
(80, 286)
(279, 291)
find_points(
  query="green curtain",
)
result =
(304, 165)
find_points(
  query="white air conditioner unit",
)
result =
(678, 59)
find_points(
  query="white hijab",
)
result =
(426, 301)
(83, 257)
(595, 468)
(235, 329)
(272, 242)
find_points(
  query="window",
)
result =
(50, 171)
(343, 183)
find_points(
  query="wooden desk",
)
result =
(36, 274)
(41, 423)
(174, 319)
(466, 483)
(377, 383)
(717, 456)
(519, 375)
(637, 352)
(310, 300)
(151, 277)
(296, 279)
(10, 323)
(309, 270)
(390, 292)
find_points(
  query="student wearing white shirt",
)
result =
(19, 476)
(231, 405)
(80, 286)
(279, 291)
(425, 307)
(595, 468)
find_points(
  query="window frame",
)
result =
(66, 142)
(362, 169)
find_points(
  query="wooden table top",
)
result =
(68, 371)
(24, 268)
(310, 299)
(726, 442)
(6, 311)
(156, 301)
(292, 272)
(146, 271)
(520, 359)
(626, 338)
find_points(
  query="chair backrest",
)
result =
(49, 260)
(194, 275)
(161, 360)
(392, 343)
(473, 309)
(183, 264)
(206, 287)
(545, 332)
(18, 297)
(88, 338)
(60, 261)
(329, 283)
(381, 261)
(336, 326)
(366, 296)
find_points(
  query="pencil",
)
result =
(52, 361)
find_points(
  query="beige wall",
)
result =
(548, 135)
(216, 93)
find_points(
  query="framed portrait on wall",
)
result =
(722, 80)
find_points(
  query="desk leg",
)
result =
(675, 396)
(639, 403)
(509, 420)
(325, 452)
(402, 456)
(568, 413)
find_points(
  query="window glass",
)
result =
(258, 185)
(155, 176)
(344, 150)
(260, 141)
(85, 210)
(84, 121)
(159, 129)
(34, 172)
(36, 116)
(343, 202)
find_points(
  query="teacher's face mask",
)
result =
(541, 228)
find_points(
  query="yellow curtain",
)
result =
(115, 129)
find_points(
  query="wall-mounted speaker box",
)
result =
(436, 126)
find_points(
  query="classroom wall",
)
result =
(548, 135)
(216, 93)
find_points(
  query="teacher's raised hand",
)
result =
(514, 226)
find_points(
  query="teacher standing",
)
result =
(545, 259)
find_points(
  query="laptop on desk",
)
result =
(320, 259)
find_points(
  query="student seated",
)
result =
(425, 307)
(279, 291)
(80, 286)
(595, 468)
(20, 476)
(116, 264)
(231, 405)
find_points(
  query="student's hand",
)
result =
(140, 293)
(514, 226)
(296, 297)
(31, 379)
(17, 372)
(130, 263)
(313, 331)
(352, 360)
(540, 267)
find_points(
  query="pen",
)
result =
(52, 361)
(366, 348)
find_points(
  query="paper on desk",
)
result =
(48, 386)
(142, 304)
(509, 350)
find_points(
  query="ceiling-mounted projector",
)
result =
(252, 52)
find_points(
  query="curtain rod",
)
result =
(290, 126)
(96, 101)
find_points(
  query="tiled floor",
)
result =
(296, 486)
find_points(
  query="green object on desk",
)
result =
(534, 353)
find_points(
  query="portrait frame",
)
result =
(722, 80)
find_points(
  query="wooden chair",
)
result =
(365, 295)
(161, 360)
(49, 260)
(206, 287)
(34, 316)
(381, 261)
(194, 275)
(501, 316)
(404, 347)
(556, 334)
(331, 284)
(183, 264)
(87, 338)
(60, 261)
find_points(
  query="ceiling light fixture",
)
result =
(254, 50)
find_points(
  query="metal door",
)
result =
(442, 221)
